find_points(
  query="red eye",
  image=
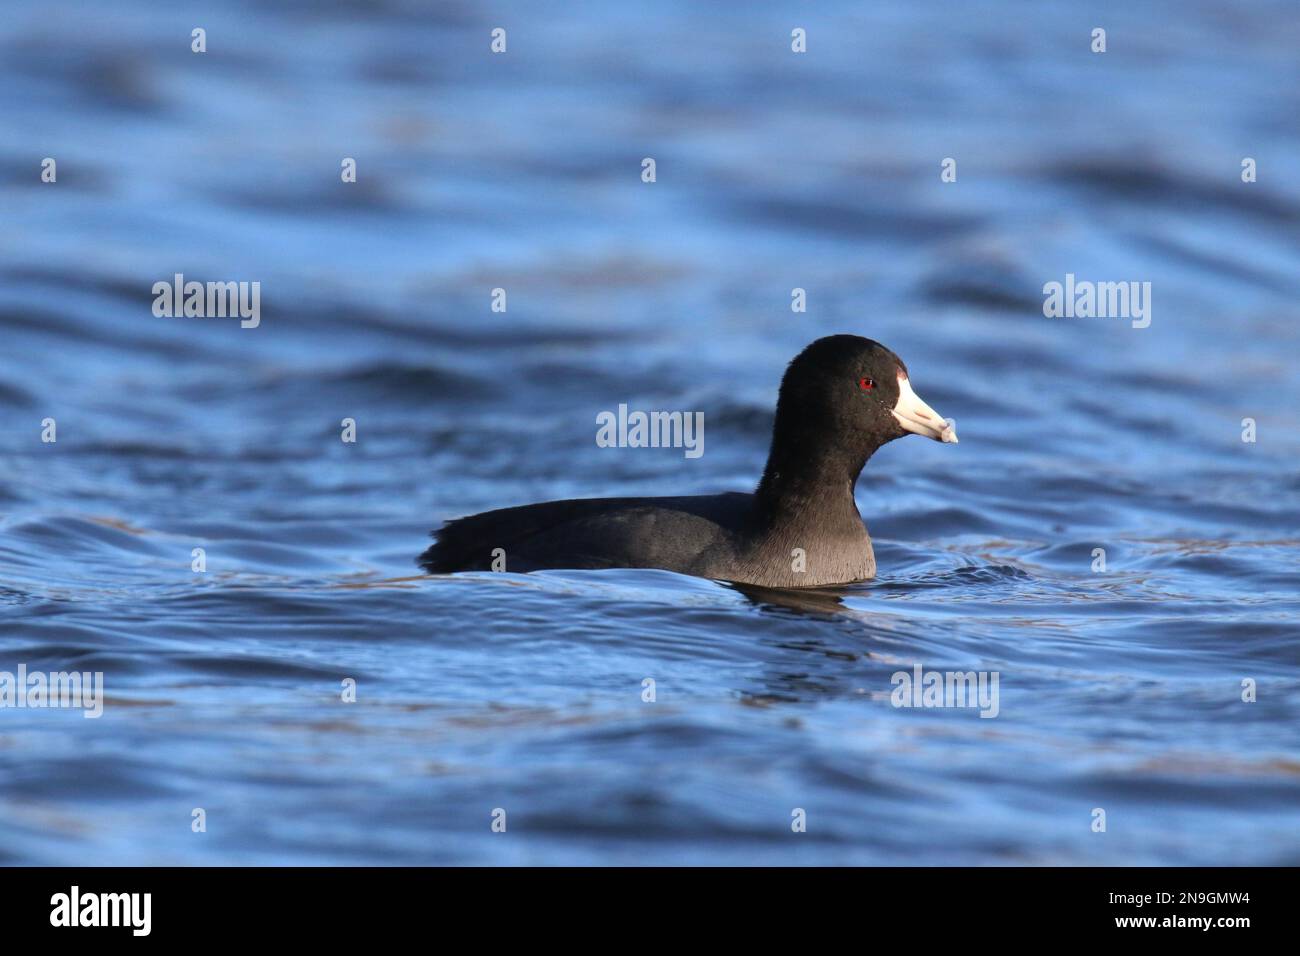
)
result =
(866, 384)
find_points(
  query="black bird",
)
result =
(841, 398)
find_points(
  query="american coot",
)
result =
(841, 398)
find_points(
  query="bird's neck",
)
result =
(802, 483)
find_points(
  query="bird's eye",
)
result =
(866, 383)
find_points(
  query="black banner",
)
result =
(340, 905)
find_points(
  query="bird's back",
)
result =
(688, 534)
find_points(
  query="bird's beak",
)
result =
(918, 417)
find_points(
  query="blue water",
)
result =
(1120, 690)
